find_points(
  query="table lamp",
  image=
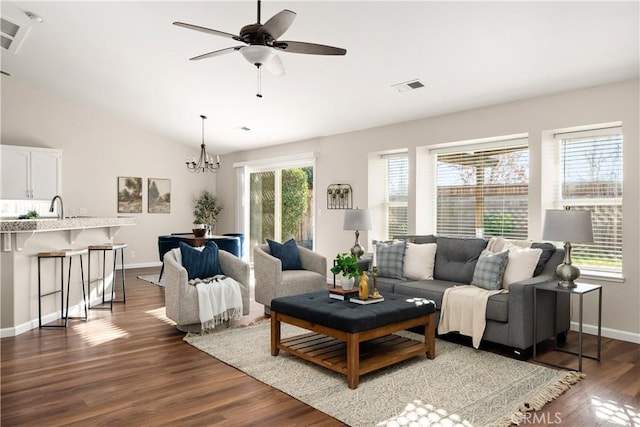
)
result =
(565, 225)
(357, 219)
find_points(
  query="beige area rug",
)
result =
(152, 278)
(472, 386)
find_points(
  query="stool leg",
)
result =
(84, 297)
(66, 317)
(104, 270)
(113, 280)
(39, 297)
(124, 295)
(62, 291)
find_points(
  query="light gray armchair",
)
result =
(181, 298)
(272, 281)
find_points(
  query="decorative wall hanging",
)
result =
(129, 194)
(339, 196)
(159, 195)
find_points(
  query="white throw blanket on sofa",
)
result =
(464, 310)
(219, 299)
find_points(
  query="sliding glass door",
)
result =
(280, 204)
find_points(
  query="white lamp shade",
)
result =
(565, 225)
(257, 54)
(358, 219)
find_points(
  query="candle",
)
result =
(218, 159)
(374, 261)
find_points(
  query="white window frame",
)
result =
(559, 202)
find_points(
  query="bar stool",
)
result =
(61, 255)
(114, 248)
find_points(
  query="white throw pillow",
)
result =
(521, 265)
(419, 260)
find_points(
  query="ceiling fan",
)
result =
(261, 43)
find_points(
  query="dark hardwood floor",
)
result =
(131, 367)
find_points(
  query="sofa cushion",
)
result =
(456, 258)
(390, 259)
(490, 269)
(384, 284)
(497, 305)
(200, 263)
(522, 263)
(287, 253)
(418, 239)
(547, 250)
(419, 260)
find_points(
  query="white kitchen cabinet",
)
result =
(30, 173)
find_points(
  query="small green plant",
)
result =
(206, 209)
(347, 265)
(32, 214)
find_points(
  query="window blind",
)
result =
(483, 191)
(591, 178)
(397, 194)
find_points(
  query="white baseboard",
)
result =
(141, 265)
(608, 332)
(75, 310)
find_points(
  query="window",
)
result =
(590, 177)
(482, 190)
(397, 194)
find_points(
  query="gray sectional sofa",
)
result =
(510, 315)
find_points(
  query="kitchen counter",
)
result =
(46, 224)
(16, 232)
(21, 242)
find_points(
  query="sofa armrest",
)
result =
(521, 307)
(238, 270)
(268, 273)
(313, 261)
(176, 286)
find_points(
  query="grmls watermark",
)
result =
(536, 418)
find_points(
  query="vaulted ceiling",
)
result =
(128, 59)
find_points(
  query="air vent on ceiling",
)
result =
(13, 34)
(243, 128)
(410, 85)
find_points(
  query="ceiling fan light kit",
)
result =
(262, 43)
(205, 162)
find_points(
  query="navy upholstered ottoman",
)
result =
(350, 338)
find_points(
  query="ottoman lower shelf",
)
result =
(331, 353)
(353, 353)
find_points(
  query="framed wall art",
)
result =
(159, 195)
(129, 194)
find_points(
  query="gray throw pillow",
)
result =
(456, 258)
(390, 259)
(490, 270)
(547, 250)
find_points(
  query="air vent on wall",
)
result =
(410, 85)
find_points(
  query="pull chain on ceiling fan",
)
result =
(262, 43)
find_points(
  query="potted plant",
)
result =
(346, 264)
(206, 210)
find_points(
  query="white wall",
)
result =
(97, 148)
(344, 159)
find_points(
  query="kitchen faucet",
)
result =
(53, 202)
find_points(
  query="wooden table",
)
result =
(352, 353)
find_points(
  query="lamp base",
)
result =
(567, 284)
(566, 272)
(357, 248)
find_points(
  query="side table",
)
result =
(580, 290)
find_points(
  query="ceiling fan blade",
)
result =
(308, 48)
(278, 24)
(208, 31)
(216, 53)
(274, 65)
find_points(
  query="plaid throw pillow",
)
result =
(390, 259)
(490, 269)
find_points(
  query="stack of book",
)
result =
(341, 294)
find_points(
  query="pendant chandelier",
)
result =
(205, 162)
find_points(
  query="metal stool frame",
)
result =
(64, 314)
(104, 248)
